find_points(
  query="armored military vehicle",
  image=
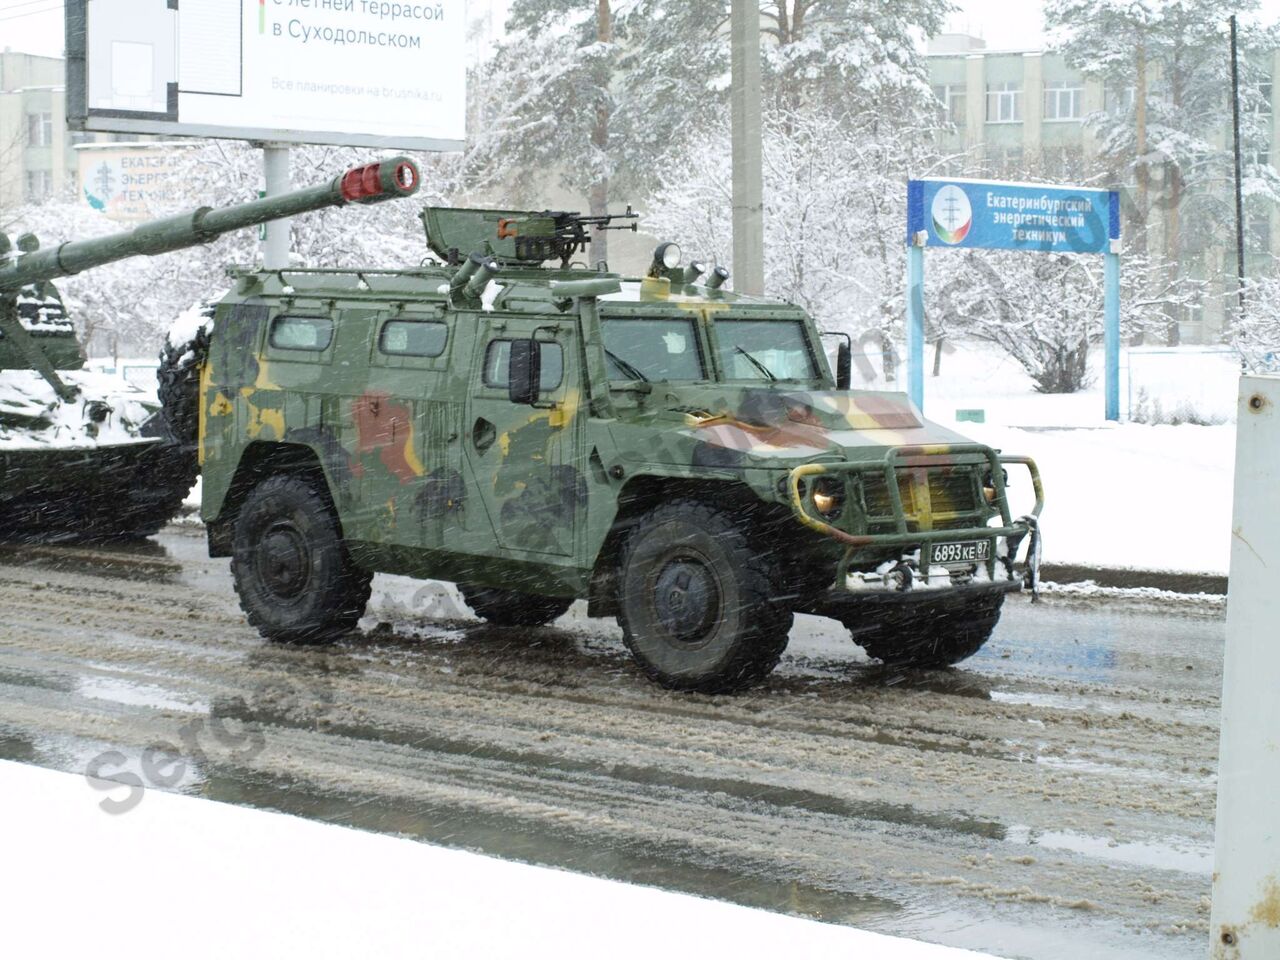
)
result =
(679, 456)
(88, 455)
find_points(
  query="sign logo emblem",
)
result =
(952, 214)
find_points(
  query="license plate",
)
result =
(963, 551)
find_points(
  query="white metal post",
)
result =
(1245, 917)
(275, 173)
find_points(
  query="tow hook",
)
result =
(900, 577)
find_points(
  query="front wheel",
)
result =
(292, 573)
(697, 606)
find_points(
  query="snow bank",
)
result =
(183, 875)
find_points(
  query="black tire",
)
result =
(697, 606)
(931, 635)
(178, 386)
(511, 609)
(292, 573)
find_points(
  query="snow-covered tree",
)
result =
(835, 209)
(1256, 332)
(1165, 65)
(1045, 310)
(599, 92)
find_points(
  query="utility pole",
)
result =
(748, 163)
(1235, 128)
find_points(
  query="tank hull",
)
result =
(111, 492)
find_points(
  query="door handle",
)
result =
(483, 434)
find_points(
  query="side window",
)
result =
(413, 338)
(497, 365)
(302, 333)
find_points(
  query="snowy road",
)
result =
(1052, 799)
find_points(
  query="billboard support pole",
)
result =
(275, 173)
(915, 324)
(1111, 331)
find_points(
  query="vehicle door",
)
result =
(523, 459)
(407, 432)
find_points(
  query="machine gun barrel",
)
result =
(386, 180)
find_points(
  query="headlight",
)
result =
(828, 497)
(989, 486)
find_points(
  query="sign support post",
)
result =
(915, 324)
(1028, 217)
(1111, 329)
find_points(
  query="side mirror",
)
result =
(844, 366)
(525, 372)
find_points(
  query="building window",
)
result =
(1062, 100)
(1118, 99)
(39, 129)
(1004, 102)
(39, 185)
(951, 96)
(1257, 233)
(1263, 104)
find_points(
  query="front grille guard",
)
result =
(1013, 530)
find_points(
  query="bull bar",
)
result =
(1013, 530)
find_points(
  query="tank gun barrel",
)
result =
(373, 183)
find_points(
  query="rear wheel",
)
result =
(292, 573)
(511, 609)
(930, 635)
(697, 607)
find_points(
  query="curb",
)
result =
(1128, 578)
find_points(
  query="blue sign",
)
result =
(1011, 216)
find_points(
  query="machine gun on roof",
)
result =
(516, 237)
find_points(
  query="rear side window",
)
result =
(497, 365)
(413, 338)
(302, 333)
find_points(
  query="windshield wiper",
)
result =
(756, 363)
(625, 366)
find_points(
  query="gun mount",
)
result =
(515, 237)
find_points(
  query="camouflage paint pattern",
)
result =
(435, 473)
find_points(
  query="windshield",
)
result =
(652, 348)
(764, 350)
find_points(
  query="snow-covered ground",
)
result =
(1147, 496)
(177, 874)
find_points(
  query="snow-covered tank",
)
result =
(90, 455)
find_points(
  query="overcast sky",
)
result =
(35, 26)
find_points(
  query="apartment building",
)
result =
(36, 156)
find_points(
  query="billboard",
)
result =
(131, 182)
(372, 73)
(1012, 216)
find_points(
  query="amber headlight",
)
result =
(828, 497)
(989, 486)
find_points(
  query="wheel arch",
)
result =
(259, 460)
(638, 496)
